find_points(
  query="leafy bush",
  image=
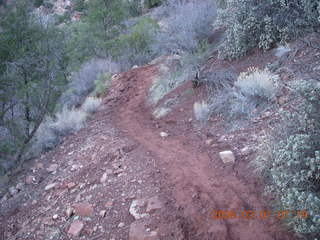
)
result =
(188, 23)
(38, 3)
(292, 163)
(152, 3)
(134, 46)
(262, 23)
(102, 84)
(83, 81)
(79, 5)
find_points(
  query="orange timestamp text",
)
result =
(262, 214)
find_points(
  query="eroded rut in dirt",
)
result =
(195, 185)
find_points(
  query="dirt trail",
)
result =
(196, 185)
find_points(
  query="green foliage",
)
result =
(48, 4)
(38, 3)
(134, 46)
(101, 84)
(32, 72)
(101, 23)
(152, 3)
(79, 5)
(263, 23)
(292, 164)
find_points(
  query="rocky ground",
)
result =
(129, 175)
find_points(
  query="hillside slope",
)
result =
(138, 177)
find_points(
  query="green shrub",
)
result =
(292, 164)
(152, 3)
(134, 46)
(102, 84)
(38, 3)
(263, 23)
(79, 5)
(48, 4)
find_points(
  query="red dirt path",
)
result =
(197, 182)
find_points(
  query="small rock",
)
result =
(39, 166)
(116, 165)
(74, 168)
(30, 179)
(190, 120)
(227, 157)
(164, 134)
(245, 151)
(121, 225)
(266, 115)
(104, 177)
(134, 67)
(12, 191)
(50, 186)
(54, 217)
(282, 100)
(47, 221)
(103, 213)
(71, 185)
(209, 141)
(69, 212)
(136, 209)
(52, 168)
(19, 186)
(75, 228)
(83, 209)
(109, 204)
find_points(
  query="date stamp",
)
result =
(262, 214)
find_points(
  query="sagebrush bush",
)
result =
(83, 81)
(91, 104)
(253, 92)
(263, 23)
(187, 24)
(201, 111)
(68, 121)
(258, 84)
(292, 162)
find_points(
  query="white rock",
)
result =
(104, 177)
(19, 186)
(227, 157)
(121, 225)
(245, 151)
(164, 134)
(50, 186)
(54, 217)
(136, 209)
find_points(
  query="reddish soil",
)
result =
(196, 182)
